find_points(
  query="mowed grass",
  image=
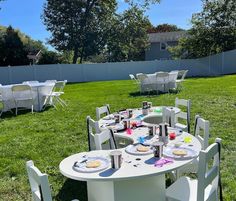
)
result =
(50, 136)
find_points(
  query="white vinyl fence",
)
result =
(220, 64)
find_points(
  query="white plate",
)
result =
(132, 149)
(190, 153)
(108, 117)
(81, 167)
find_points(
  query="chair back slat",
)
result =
(202, 124)
(187, 104)
(59, 86)
(92, 129)
(104, 110)
(39, 183)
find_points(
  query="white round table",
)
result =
(137, 180)
(39, 92)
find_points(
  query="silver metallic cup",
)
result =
(152, 130)
(158, 149)
(116, 159)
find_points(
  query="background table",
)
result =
(39, 91)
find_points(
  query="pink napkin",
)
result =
(163, 161)
(129, 131)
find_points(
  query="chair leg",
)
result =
(16, 110)
(32, 109)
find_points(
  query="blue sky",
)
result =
(25, 15)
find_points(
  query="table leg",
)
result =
(140, 189)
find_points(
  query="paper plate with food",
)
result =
(179, 153)
(139, 149)
(91, 164)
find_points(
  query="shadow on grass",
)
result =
(152, 93)
(12, 113)
(72, 189)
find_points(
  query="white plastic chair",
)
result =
(205, 187)
(39, 184)
(22, 93)
(145, 86)
(102, 110)
(57, 91)
(162, 81)
(172, 80)
(103, 137)
(30, 82)
(132, 77)
(168, 116)
(181, 76)
(92, 129)
(200, 125)
(183, 115)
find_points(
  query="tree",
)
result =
(128, 38)
(213, 31)
(164, 28)
(78, 25)
(12, 49)
(50, 57)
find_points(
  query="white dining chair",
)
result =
(205, 187)
(57, 91)
(132, 77)
(22, 93)
(168, 116)
(172, 80)
(103, 137)
(92, 129)
(183, 115)
(104, 110)
(145, 85)
(162, 80)
(31, 82)
(39, 184)
(181, 76)
(201, 132)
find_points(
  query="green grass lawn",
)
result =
(50, 136)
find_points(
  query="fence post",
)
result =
(10, 74)
(223, 63)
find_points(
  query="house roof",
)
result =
(166, 36)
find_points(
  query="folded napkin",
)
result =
(163, 161)
(129, 131)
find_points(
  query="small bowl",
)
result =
(177, 144)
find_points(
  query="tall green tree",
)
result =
(12, 49)
(213, 31)
(78, 25)
(128, 37)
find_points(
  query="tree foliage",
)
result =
(128, 39)
(12, 49)
(164, 28)
(213, 31)
(78, 25)
(50, 57)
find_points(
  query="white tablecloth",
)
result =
(39, 91)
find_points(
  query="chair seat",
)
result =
(181, 126)
(185, 189)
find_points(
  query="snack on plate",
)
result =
(142, 148)
(93, 164)
(180, 152)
